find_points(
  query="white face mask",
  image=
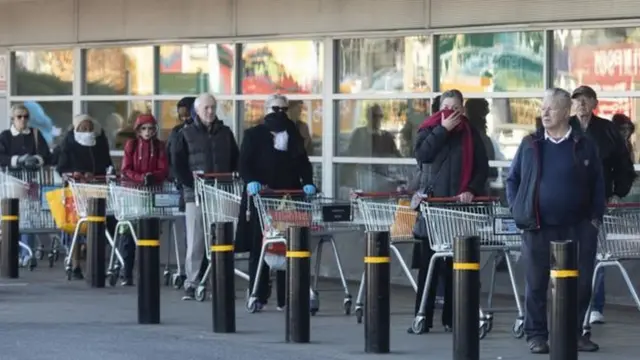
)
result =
(281, 140)
(85, 138)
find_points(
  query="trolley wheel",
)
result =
(201, 293)
(314, 304)
(167, 278)
(418, 326)
(69, 273)
(489, 323)
(33, 263)
(56, 256)
(359, 314)
(252, 306)
(113, 278)
(518, 329)
(347, 306)
(178, 281)
(39, 254)
(483, 331)
(51, 260)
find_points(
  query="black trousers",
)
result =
(536, 254)
(443, 268)
(128, 252)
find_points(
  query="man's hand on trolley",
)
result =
(466, 197)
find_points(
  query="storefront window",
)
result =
(508, 122)
(119, 71)
(117, 118)
(371, 178)
(195, 68)
(51, 118)
(43, 73)
(499, 62)
(167, 114)
(293, 67)
(400, 64)
(378, 128)
(605, 59)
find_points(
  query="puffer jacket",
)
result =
(198, 148)
(143, 157)
(85, 159)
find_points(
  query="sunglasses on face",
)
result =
(22, 116)
(279, 108)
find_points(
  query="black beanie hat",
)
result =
(186, 102)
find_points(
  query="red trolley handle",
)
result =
(624, 205)
(72, 176)
(213, 176)
(380, 195)
(455, 199)
(294, 192)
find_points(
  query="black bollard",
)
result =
(466, 298)
(148, 255)
(377, 307)
(96, 242)
(564, 308)
(10, 251)
(223, 278)
(298, 317)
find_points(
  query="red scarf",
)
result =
(467, 144)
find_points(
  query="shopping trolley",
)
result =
(280, 209)
(219, 196)
(618, 240)
(447, 218)
(386, 211)
(30, 186)
(83, 189)
(130, 202)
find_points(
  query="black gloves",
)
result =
(148, 179)
(30, 162)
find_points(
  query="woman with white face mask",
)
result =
(84, 154)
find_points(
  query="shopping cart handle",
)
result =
(233, 175)
(294, 192)
(392, 194)
(630, 205)
(454, 199)
(71, 176)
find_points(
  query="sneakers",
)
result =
(127, 282)
(538, 346)
(77, 274)
(586, 345)
(596, 317)
(280, 308)
(189, 294)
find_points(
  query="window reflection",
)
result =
(43, 73)
(508, 122)
(195, 68)
(511, 61)
(119, 71)
(117, 118)
(400, 64)
(306, 113)
(293, 67)
(379, 128)
(167, 115)
(371, 178)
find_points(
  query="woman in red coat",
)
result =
(144, 163)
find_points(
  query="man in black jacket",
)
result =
(184, 107)
(208, 146)
(616, 164)
(556, 192)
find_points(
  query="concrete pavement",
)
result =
(43, 316)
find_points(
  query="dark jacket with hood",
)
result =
(209, 150)
(275, 169)
(617, 165)
(85, 159)
(524, 178)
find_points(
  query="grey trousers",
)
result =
(195, 244)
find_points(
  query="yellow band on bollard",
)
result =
(149, 243)
(221, 248)
(377, 259)
(466, 266)
(95, 219)
(9, 217)
(559, 274)
(299, 254)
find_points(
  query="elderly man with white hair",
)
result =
(555, 190)
(205, 145)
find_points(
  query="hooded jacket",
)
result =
(143, 157)
(186, 102)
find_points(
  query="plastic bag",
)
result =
(63, 210)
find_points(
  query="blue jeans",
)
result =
(598, 292)
(27, 239)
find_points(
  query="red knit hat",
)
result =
(144, 119)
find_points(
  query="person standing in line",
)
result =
(617, 166)
(626, 128)
(294, 113)
(206, 145)
(555, 190)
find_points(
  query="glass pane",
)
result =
(317, 176)
(371, 178)
(119, 71)
(293, 67)
(196, 68)
(605, 59)
(401, 64)
(43, 73)
(51, 118)
(253, 114)
(167, 114)
(508, 121)
(397, 127)
(117, 118)
(510, 61)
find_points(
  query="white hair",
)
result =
(275, 100)
(563, 97)
(201, 97)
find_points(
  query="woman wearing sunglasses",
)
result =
(144, 163)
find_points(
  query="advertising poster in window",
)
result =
(4, 70)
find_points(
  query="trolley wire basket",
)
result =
(219, 195)
(131, 201)
(84, 189)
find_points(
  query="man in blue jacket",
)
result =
(556, 192)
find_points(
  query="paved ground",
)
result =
(43, 316)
